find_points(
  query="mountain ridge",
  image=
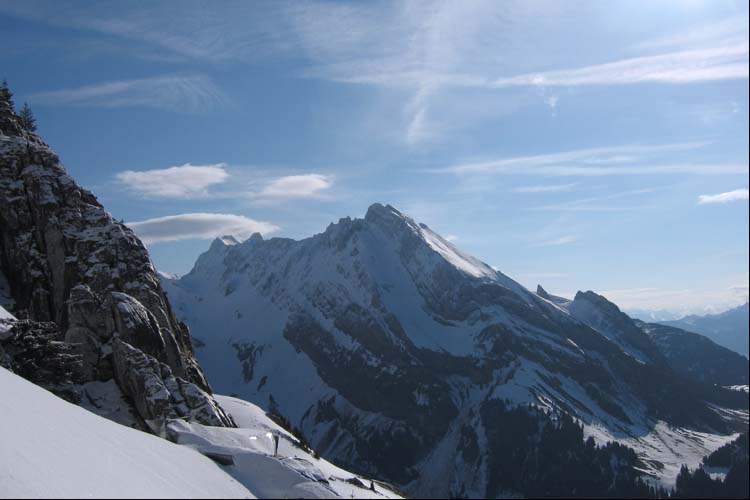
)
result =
(400, 340)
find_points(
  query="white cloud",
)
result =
(185, 181)
(451, 237)
(555, 242)
(547, 188)
(737, 194)
(199, 226)
(296, 187)
(175, 93)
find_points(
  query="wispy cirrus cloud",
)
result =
(545, 188)
(444, 49)
(192, 94)
(723, 32)
(556, 242)
(682, 67)
(737, 194)
(199, 226)
(600, 203)
(616, 160)
(185, 181)
(433, 54)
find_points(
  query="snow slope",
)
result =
(51, 448)
(5, 319)
(85, 455)
(5, 314)
(293, 473)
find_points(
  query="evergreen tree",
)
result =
(27, 118)
(5, 93)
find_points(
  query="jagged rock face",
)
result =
(389, 348)
(37, 352)
(69, 264)
(158, 394)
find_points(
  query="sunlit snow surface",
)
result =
(664, 449)
(293, 473)
(51, 448)
(5, 320)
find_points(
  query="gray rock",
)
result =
(87, 286)
(157, 394)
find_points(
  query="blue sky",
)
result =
(581, 145)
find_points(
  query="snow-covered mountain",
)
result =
(730, 329)
(400, 356)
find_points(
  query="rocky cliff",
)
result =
(94, 323)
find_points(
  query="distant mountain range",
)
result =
(730, 329)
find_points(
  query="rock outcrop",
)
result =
(87, 291)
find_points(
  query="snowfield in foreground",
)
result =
(51, 448)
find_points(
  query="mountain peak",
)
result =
(379, 212)
(221, 243)
(598, 300)
(560, 301)
(229, 240)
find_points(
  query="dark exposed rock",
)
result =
(157, 393)
(37, 352)
(95, 308)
